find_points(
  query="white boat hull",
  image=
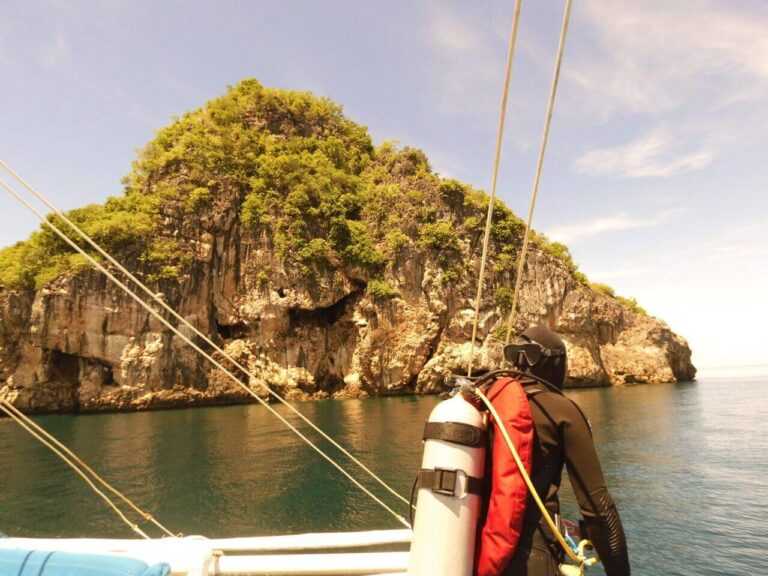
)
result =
(302, 554)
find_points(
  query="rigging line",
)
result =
(207, 356)
(540, 163)
(494, 176)
(32, 424)
(71, 464)
(197, 332)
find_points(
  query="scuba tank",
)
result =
(450, 487)
(446, 537)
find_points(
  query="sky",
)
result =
(657, 166)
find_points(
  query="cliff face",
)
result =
(80, 343)
(393, 321)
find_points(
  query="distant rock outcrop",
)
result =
(374, 297)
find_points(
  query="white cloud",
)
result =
(55, 54)
(707, 291)
(743, 248)
(694, 73)
(655, 154)
(738, 251)
(615, 223)
(451, 32)
(468, 68)
(655, 55)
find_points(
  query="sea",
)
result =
(687, 464)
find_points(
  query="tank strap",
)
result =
(456, 433)
(444, 481)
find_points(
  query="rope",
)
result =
(134, 527)
(19, 417)
(532, 489)
(186, 339)
(542, 150)
(494, 176)
(197, 332)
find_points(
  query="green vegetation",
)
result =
(556, 250)
(122, 224)
(28, 264)
(604, 288)
(315, 252)
(254, 212)
(504, 298)
(630, 303)
(379, 289)
(440, 236)
(449, 275)
(581, 277)
(198, 199)
(286, 160)
(304, 181)
(17, 269)
(352, 240)
(506, 227)
(395, 241)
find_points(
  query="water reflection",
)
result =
(685, 463)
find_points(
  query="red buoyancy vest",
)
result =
(506, 507)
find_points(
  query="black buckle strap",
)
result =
(445, 481)
(456, 433)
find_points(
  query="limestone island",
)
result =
(325, 265)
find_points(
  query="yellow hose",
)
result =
(579, 559)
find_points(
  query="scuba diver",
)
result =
(563, 437)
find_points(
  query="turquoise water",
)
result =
(685, 462)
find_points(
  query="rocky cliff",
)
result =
(327, 267)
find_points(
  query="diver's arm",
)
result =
(606, 533)
(600, 515)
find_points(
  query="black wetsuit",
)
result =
(564, 438)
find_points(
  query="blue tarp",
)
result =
(14, 562)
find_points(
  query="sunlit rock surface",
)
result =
(81, 344)
(376, 299)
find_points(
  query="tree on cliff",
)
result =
(300, 177)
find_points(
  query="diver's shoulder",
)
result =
(552, 396)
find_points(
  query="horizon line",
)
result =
(732, 366)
